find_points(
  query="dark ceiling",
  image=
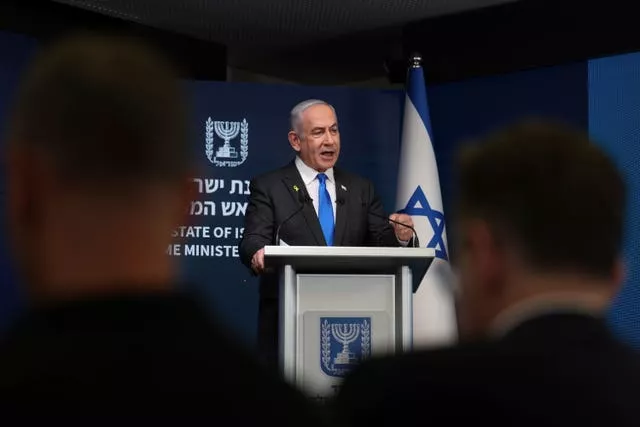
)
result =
(267, 36)
(340, 42)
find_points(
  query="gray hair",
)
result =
(296, 112)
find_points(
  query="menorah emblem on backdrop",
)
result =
(344, 342)
(226, 154)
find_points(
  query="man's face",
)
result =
(482, 278)
(318, 143)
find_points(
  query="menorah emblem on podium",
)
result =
(345, 334)
(226, 154)
(344, 342)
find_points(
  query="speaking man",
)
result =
(539, 232)
(336, 208)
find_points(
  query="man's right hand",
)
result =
(257, 262)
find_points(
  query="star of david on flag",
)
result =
(418, 205)
(418, 195)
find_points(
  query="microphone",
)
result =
(303, 199)
(413, 237)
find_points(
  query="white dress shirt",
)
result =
(310, 179)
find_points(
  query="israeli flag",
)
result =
(418, 195)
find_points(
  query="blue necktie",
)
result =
(325, 210)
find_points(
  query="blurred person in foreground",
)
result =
(97, 179)
(539, 231)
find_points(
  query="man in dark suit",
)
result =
(339, 209)
(539, 230)
(97, 179)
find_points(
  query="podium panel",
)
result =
(342, 319)
(340, 306)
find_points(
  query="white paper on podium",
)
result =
(283, 243)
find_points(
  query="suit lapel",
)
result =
(342, 209)
(292, 179)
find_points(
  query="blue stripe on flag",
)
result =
(417, 93)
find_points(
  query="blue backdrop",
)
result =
(464, 110)
(603, 95)
(614, 120)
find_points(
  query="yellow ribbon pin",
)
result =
(295, 187)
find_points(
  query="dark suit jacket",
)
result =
(155, 356)
(273, 198)
(555, 370)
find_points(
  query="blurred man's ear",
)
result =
(25, 171)
(27, 184)
(486, 254)
(15, 184)
(619, 275)
(189, 191)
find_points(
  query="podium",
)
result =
(342, 305)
